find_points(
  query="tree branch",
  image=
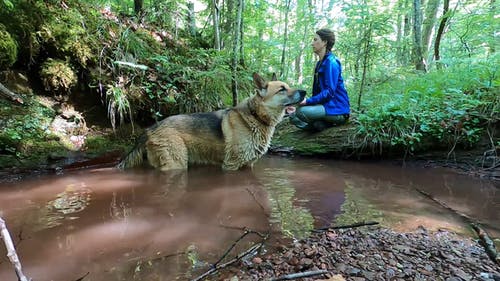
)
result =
(10, 95)
(11, 251)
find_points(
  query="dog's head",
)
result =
(276, 94)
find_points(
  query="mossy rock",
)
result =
(8, 49)
(58, 76)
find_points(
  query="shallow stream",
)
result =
(106, 224)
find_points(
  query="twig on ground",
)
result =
(214, 269)
(300, 275)
(11, 251)
(358, 224)
(246, 232)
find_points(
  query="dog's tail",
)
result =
(136, 156)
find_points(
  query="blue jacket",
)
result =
(328, 88)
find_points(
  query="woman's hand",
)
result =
(303, 102)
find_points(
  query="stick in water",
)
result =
(11, 251)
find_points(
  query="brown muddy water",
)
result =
(106, 224)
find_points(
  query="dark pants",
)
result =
(314, 118)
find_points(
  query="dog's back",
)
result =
(188, 138)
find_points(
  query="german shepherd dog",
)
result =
(234, 138)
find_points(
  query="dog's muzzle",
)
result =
(298, 96)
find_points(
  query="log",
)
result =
(11, 251)
(5, 92)
(487, 243)
(340, 140)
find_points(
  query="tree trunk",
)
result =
(285, 41)
(440, 32)
(242, 57)
(236, 40)
(138, 7)
(216, 17)
(366, 56)
(399, 35)
(492, 44)
(191, 19)
(418, 57)
(428, 25)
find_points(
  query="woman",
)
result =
(329, 104)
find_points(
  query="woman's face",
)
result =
(318, 44)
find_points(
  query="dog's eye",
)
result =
(283, 88)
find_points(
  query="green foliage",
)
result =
(117, 104)
(57, 76)
(8, 49)
(22, 125)
(196, 82)
(443, 108)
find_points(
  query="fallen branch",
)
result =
(246, 232)
(487, 243)
(11, 251)
(300, 275)
(358, 224)
(214, 269)
(9, 94)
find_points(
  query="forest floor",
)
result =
(372, 253)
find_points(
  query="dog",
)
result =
(234, 138)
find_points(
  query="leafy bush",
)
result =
(20, 124)
(443, 108)
(195, 83)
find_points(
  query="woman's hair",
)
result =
(328, 36)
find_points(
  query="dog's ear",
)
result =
(274, 77)
(260, 83)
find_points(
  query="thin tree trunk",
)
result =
(428, 25)
(191, 19)
(366, 55)
(216, 14)
(138, 7)
(492, 43)
(399, 36)
(417, 36)
(406, 52)
(236, 40)
(285, 41)
(440, 32)
(242, 57)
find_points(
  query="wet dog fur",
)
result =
(234, 138)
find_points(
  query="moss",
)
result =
(57, 76)
(98, 145)
(8, 49)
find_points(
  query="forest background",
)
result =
(418, 72)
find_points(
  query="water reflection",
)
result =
(148, 225)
